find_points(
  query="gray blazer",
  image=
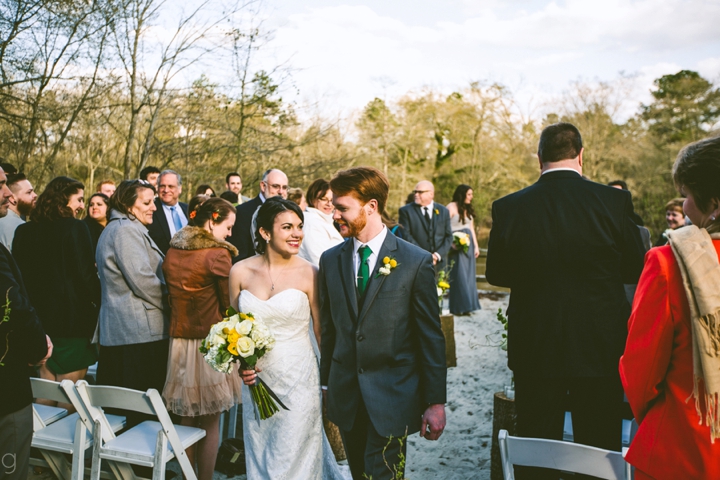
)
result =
(133, 287)
(386, 348)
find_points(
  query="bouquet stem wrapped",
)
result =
(241, 338)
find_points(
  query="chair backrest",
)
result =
(569, 457)
(48, 390)
(116, 397)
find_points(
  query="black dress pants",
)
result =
(371, 455)
(596, 406)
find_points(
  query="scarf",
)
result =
(698, 261)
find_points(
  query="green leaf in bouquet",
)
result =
(224, 356)
(230, 311)
(251, 360)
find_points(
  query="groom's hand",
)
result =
(433, 422)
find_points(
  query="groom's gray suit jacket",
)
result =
(386, 348)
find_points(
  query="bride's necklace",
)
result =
(272, 282)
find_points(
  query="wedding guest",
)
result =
(106, 187)
(565, 246)
(318, 228)
(394, 227)
(97, 216)
(463, 280)
(27, 345)
(205, 189)
(675, 218)
(231, 197)
(133, 314)
(170, 213)
(199, 296)
(298, 196)
(670, 366)
(55, 255)
(233, 182)
(20, 207)
(620, 184)
(150, 175)
(274, 183)
(427, 224)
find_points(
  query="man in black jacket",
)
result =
(171, 215)
(565, 246)
(427, 224)
(274, 183)
(22, 342)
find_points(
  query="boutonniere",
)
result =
(437, 212)
(389, 264)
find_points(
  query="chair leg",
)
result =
(232, 421)
(78, 458)
(97, 445)
(160, 458)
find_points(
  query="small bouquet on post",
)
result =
(443, 282)
(461, 241)
(241, 338)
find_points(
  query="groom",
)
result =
(383, 352)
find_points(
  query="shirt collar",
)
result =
(375, 244)
(262, 197)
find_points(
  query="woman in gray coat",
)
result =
(134, 316)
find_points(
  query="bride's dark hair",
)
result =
(265, 218)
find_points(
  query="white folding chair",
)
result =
(67, 435)
(44, 415)
(145, 444)
(568, 457)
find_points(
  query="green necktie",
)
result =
(364, 270)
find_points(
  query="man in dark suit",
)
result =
(427, 224)
(171, 215)
(274, 183)
(565, 246)
(383, 352)
(23, 342)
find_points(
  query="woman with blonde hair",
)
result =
(671, 366)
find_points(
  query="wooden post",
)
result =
(504, 418)
(447, 322)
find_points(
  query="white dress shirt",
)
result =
(430, 209)
(171, 222)
(320, 235)
(374, 245)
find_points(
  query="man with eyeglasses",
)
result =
(171, 215)
(274, 183)
(427, 224)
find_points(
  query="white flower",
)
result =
(218, 340)
(244, 327)
(439, 291)
(384, 270)
(245, 347)
(234, 319)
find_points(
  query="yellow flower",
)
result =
(243, 316)
(226, 331)
(464, 241)
(393, 263)
(233, 336)
(232, 348)
(386, 260)
(444, 285)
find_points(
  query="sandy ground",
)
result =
(463, 452)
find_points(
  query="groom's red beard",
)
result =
(355, 227)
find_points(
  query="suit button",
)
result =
(360, 338)
(360, 370)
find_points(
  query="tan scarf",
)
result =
(698, 261)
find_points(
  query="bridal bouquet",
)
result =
(461, 241)
(241, 338)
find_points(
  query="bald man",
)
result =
(427, 224)
(274, 183)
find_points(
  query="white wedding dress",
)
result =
(292, 443)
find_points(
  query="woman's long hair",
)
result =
(104, 199)
(52, 204)
(465, 210)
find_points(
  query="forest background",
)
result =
(100, 89)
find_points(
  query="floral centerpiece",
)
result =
(241, 338)
(461, 241)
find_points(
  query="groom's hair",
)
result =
(363, 183)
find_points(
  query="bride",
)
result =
(279, 287)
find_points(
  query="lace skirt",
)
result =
(192, 387)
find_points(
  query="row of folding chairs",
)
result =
(58, 435)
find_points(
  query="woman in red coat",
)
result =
(671, 366)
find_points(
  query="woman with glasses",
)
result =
(320, 233)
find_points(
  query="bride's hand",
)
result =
(249, 376)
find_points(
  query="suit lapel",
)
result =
(162, 219)
(347, 274)
(376, 281)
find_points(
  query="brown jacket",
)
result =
(196, 271)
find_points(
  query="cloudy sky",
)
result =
(346, 52)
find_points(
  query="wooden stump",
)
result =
(333, 436)
(504, 418)
(447, 322)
